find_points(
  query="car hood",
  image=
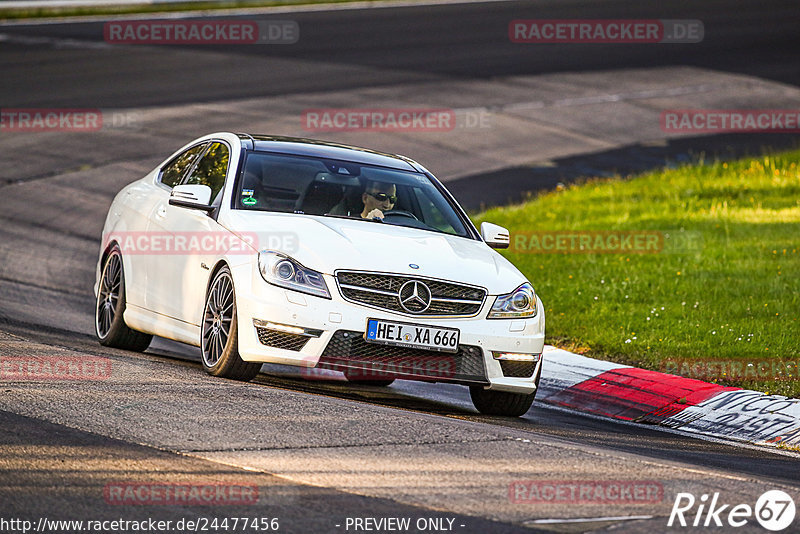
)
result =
(328, 244)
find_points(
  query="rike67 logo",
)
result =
(774, 510)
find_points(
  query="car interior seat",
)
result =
(321, 196)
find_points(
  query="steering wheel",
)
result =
(400, 213)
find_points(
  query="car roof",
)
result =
(301, 146)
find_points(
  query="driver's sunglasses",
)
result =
(383, 197)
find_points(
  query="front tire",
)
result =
(219, 338)
(490, 402)
(109, 323)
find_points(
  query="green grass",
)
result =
(733, 297)
(122, 9)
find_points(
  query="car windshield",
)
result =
(310, 186)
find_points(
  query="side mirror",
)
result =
(193, 196)
(495, 236)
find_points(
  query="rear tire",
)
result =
(109, 323)
(219, 342)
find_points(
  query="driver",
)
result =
(377, 198)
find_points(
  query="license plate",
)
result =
(415, 336)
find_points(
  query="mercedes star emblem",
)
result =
(415, 297)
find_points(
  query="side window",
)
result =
(175, 169)
(212, 169)
(431, 215)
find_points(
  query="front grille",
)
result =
(382, 291)
(517, 369)
(281, 340)
(347, 350)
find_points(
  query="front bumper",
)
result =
(277, 325)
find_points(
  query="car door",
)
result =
(178, 275)
(132, 211)
(170, 175)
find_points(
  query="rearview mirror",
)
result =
(195, 196)
(495, 236)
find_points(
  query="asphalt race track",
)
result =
(453, 41)
(322, 453)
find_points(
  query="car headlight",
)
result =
(281, 270)
(519, 303)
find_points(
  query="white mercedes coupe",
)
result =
(330, 257)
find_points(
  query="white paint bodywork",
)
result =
(166, 292)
